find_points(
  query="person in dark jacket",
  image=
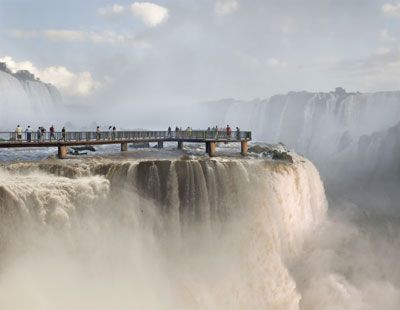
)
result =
(52, 133)
(63, 133)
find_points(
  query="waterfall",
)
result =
(328, 128)
(21, 99)
(197, 233)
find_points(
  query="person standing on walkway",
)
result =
(114, 132)
(43, 133)
(39, 133)
(18, 132)
(189, 131)
(52, 131)
(216, 131)
(169, 131)
(28, 134)
(228, 131)
(63, 133)
(237, 133)
(98, 133)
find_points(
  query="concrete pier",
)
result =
(244, 148)
(211, 147)
(62, 152)
(124, 146)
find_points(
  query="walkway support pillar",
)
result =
(62, 152)
(124, 147)
(180, 145)
(211, 148)
(160, 144)
(244, 148)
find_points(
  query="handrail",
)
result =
(75, 136)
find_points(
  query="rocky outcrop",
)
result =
(276, 152)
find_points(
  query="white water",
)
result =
(326, 127)
(25, 101)
(197, 234)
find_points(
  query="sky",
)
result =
(156, 53)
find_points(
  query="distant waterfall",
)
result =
(329, 128)
(23, 100)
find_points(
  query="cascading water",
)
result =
(21, 99)
(338, 131)
(170, 234)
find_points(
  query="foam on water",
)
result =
(118, 233)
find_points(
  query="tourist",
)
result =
(63, 133)
(52, 133)
(18, 132)
(114, 132)
(237, 133)
(98, 133)
(109, 132)
(228, 131)
(169, 131)
(28, 134)
(39, 133)
(43, 133)
(189, 131)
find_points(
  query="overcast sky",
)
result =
(196, 50)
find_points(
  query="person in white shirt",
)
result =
(28, 134)
(18, 132)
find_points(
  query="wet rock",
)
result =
(81, 150)
(259, 149)
(277, 155)
(84, 148)
(140, 145)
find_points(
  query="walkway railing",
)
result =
(72, 136)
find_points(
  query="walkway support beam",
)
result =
(211, 147)
(160, 144)
(124, 146)
(62, 152)
(244, 147)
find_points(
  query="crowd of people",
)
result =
(40, 133)
(211, 132)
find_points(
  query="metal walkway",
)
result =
(210, 137)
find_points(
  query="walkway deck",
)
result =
(209, 137)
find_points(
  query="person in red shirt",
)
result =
(228, 131)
